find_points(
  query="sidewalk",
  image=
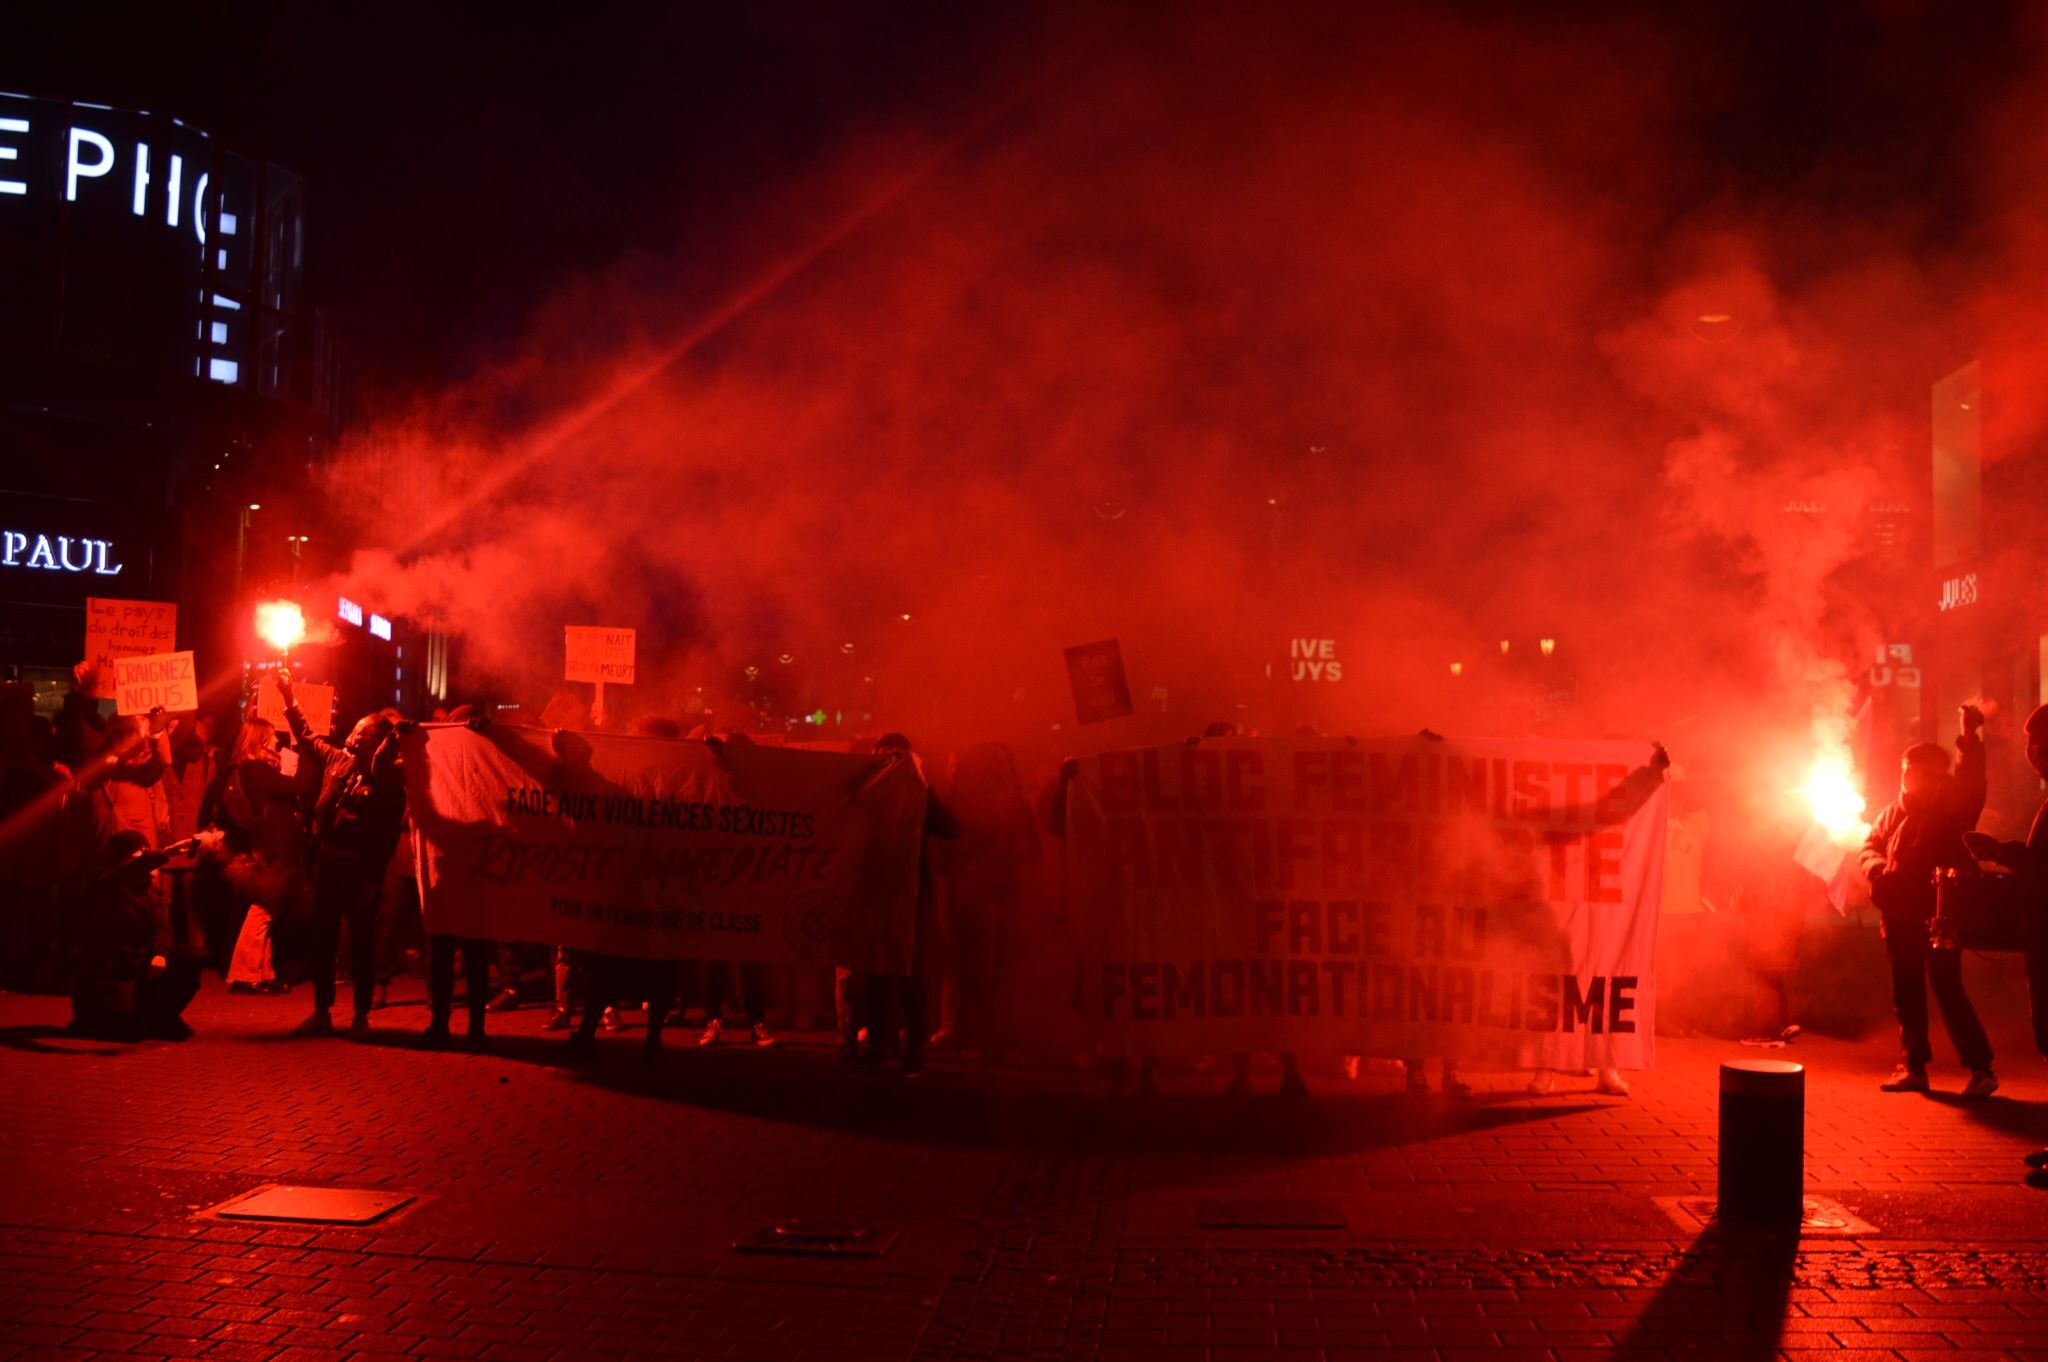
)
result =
(569, 1213)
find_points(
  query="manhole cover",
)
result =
(817, 1238)
(1818, 1216)
(1282, 1214)
(313, 1205)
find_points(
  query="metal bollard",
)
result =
(1763, 1141)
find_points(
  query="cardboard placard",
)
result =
(163, 681)
(118, 629)
(315, 701)
(598, 654)
(1096, 672)
(565, 710)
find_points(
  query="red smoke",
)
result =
(1207, 332)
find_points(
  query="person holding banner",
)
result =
(909, 989)
(355, 830)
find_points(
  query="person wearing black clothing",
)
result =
(123, 988)
(476, 975)
(938, 822)
(2029, 860)
(1916, 836)
(355, 830)
(257, 809)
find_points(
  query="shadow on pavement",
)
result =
(1002, 1109)
(2000, 1113)
(31, 1038)
(1726, 1298)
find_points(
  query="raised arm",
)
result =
(1963, 801)
(302, 732)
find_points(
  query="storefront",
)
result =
(1986, 641)
(156, 363)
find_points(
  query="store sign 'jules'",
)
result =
(57, 553)
(1957, 592)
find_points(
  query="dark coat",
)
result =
(1907, 846)
(361, 804)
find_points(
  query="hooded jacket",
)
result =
(1908, 843)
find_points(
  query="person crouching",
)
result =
(124, 989)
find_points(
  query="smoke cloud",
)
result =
(1415, 331)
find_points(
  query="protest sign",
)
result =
(316, 702)
(1486, 899)
(163, 681)
(601, 655)
(118, 629)
(1096, 672)
(565, 709)
(666, 849)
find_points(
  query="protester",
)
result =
(80, 731)
(127, 985)
(2029, 860)
(476, 972)
(35, 853)
(1418, 1078)
(1619, 804)
(1293, 1087)
(909, 988)
(753, 980)
(998, 835)
(355, 830)
(1917, 835)
(611, 979)
(197, 901)
(115, 784)
(258, 812)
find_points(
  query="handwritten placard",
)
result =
(598, 654)
(118, 629)
(164, 681)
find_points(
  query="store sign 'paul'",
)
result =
(57, 553)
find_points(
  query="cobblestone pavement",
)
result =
(570, 1213)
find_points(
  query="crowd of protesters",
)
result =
(136, 852)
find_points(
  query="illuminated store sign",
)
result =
(1957, 592)
(101, 159)
(57, 553)
(86, 183)
(351, 612)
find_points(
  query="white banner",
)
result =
(1400, 898)
(666, 849)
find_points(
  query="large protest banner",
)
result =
(1396, 898)
(666, 849)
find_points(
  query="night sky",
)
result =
(464, 166)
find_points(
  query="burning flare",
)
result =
(1836, 803)
(281, 624)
